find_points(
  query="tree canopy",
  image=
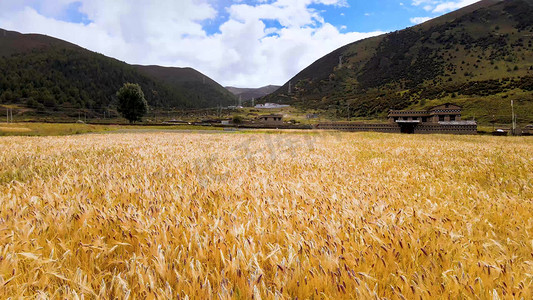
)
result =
(131, 102)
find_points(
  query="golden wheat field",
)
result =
(270, 216)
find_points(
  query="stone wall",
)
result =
(425, 128)
(446, 129)
(391, 128)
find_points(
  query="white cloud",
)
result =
(452, 5)
(419, 20)
(244, 53)
(442, 6)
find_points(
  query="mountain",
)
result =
(192, 84)
(479, 57)
(50, 74)
(250, 93)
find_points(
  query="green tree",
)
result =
(131, 102)
(237, 120)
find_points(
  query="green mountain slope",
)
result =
(479, 57)
(204, 91)
(43, 72)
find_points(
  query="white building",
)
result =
(271, 105)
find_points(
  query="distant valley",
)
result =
(246, 94)
(479, 57)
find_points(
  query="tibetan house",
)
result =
(445, 118)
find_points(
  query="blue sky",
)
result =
(73, 14)
(245, 43)
(384, 15)
(360, 16)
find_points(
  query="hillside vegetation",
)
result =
(192, 85)
(286, 216)
(43, 72)
(479, 57)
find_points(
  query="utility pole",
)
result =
(513, 117)
(11, 112)
(348, 109)
(290, 88)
